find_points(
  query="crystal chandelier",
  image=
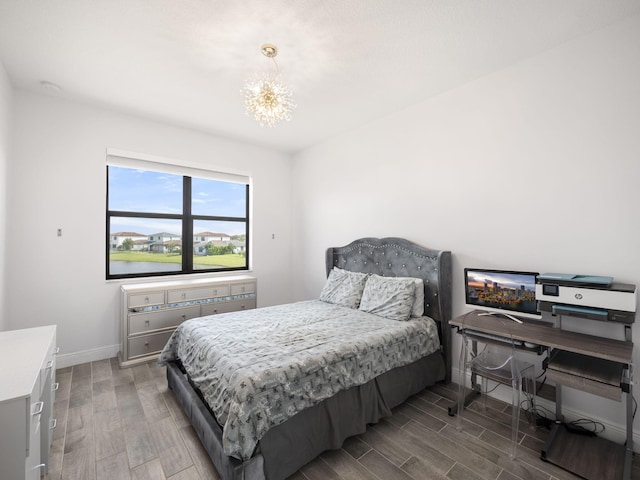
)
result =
(266, 97)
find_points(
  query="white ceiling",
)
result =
(347, 61)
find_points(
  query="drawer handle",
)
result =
(184, 295)
(146, 344)
(146, 299)
(215, 311)
(40, 466)
(39, 407)
(243, 289)
(184, 316)
(49, 364)
(146, 323)
(241, 307)
(56, 351)
(55, 387)
(215, 291)
(53, 424)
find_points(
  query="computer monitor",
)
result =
(501, 291)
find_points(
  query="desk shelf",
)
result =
(588, 374)
(597, 365)
(589, 457)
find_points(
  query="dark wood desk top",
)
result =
(543, 333)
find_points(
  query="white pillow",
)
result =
(389, 297)
(344, 287)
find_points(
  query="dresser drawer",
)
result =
(48, 368)
(242, 288)
(34, 458)
(159, 319)
(232, 306)
(148, 309)
(188, 294)
(47, 374)
(145, 299)
(148, 344)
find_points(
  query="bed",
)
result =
(303, 377)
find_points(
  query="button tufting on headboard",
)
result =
(369, 255)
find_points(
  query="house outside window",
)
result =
(167, 220)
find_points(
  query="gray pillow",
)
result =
(417, 309)
(344, 288)
(388, 297)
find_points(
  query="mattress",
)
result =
(258, 368)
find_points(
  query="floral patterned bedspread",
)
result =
(258, 368)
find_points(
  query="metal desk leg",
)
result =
(558, 423)
(629, 444)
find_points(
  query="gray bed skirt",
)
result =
(290, 445)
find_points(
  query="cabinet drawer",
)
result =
(35, 406)
(148, 344)
(34, 458)
(156, 320)
(224, 307)
(188, 294)
(241, 288)
(146, 299)
(47, 374)
(48, 368)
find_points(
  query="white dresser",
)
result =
(27, 388)
(151, 311)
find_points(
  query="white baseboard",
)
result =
(615, 433)
(70, 359)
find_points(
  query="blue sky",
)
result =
(135, 190)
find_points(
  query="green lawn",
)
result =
(232, 260)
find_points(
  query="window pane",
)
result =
(132, 190)
(144, 245)
(147, 212)
(217, 198)
(219, 245)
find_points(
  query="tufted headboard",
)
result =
(397, 257)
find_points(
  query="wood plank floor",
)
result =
(126, 425)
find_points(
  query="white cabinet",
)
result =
(27, 380)
(152, 311)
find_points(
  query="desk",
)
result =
(598, 365)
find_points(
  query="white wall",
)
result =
(535, 167)
(6, 100)
(57, 178)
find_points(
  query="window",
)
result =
(165, 220)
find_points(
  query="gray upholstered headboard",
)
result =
(397, 257)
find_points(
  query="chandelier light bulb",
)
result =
(266, 97)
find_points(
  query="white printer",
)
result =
(587, 296)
